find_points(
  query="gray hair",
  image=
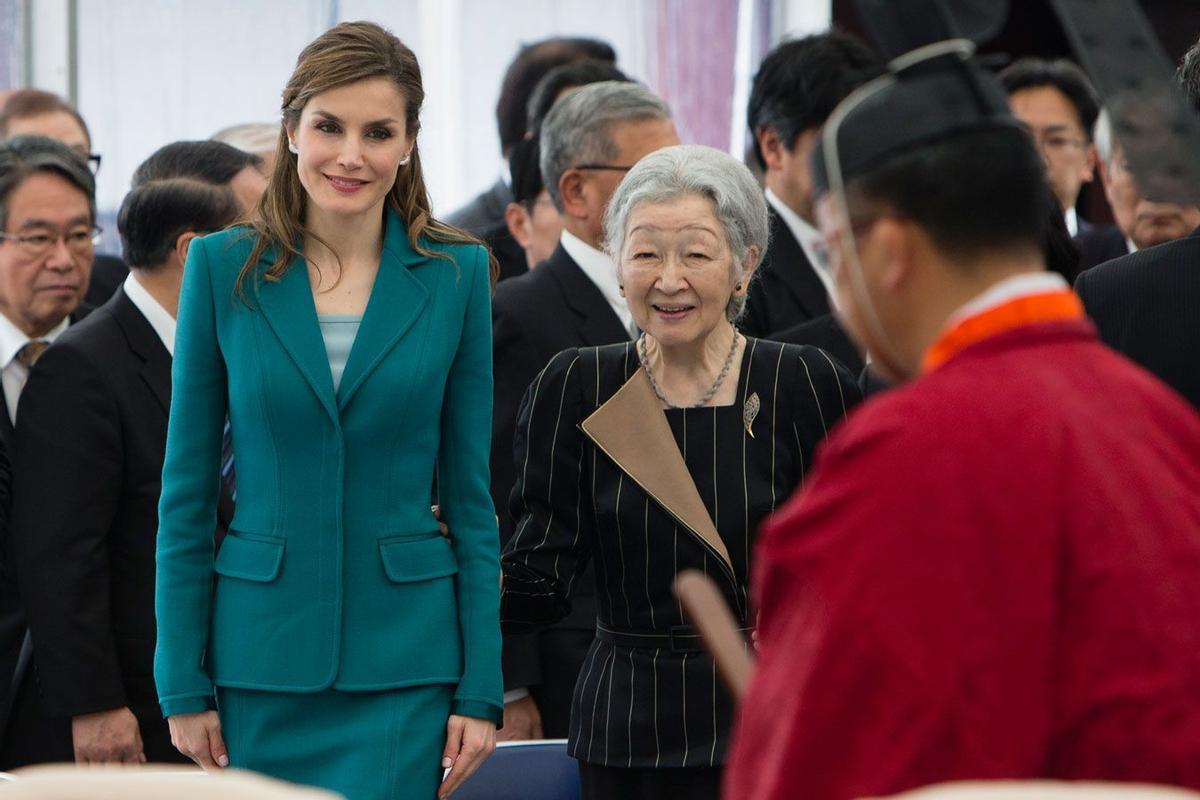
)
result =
(23, 156)
(1102, 135)
(578, 129)
(250, 137)
(695, 170)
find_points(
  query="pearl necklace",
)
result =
(712, 390)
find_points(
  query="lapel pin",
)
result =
(750, 411)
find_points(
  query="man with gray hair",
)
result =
(592, 136)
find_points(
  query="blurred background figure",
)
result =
(1057, 103)
(209, 161)
(1141, 221)
(34, 112)
(257, 138)
(531, 218)
(1146, 304)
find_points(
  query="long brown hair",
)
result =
(349, 52)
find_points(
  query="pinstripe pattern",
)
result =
(646, 707)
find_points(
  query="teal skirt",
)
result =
(364, 745)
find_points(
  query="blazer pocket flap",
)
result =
(406, 561)
(257, 559)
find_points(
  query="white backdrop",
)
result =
(156, 71)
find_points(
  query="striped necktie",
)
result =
(31, 352)
(228, 476)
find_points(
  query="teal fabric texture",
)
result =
(333, 575)
(362, 745)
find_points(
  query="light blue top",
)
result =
(338, 331)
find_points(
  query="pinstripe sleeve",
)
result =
(550, 547)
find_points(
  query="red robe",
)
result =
(994, 572)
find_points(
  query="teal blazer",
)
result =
(333, 573)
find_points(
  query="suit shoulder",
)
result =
(515, 292)
(94, 335)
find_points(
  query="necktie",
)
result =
(228, 476)
(31, 352)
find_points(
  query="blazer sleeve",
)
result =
(823, 393)
(466, 502)
(551, 545)
(190, 487)
(68, 486)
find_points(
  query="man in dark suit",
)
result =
(1141, 222)
(1146, 303)
(796, 88)
(590, 138)
(1057, 103)
(47, 206)
(90, 443)
(33, 112)
(533, 61)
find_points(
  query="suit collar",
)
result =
(144, 342)
(792, 266)
(397, 298)
(598, 323)
(632, 430)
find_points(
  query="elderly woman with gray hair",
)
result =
(660, 455)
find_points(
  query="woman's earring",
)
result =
(407, 156)
(292, 147)
(737, 288)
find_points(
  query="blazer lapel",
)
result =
(397, 299)
(598, 323)
(288, 307)
(632, 430)
(145, 344)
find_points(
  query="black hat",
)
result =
(932, 94)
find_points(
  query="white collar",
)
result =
(1133, 248)
(1071, 217)
(12, 338)
(159, 318)
(601, 270)
(1027, 283)
(806, 235)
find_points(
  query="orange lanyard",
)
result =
(1056, 306)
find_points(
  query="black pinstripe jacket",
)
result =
(605, 474)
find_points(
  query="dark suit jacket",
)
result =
(108, 273)
(14, 650)
(786, 291)
(1147, 304)
(1099, 243)
(534, 316)
(826, 333)
(484, 211)
(643, 494)
(90, 442)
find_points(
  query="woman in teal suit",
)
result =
(345, 335)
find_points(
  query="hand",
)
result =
(468, 742)
(198, 736)
(443, 528)
(522, 721)
(107, 737)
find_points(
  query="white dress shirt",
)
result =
(806, 235)
(1071, 217)
(14, 374)
(601, 270)
(159, 318)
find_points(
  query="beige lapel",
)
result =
(632, 430)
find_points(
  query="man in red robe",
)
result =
(994, 570)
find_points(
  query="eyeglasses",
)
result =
(93, 162)
(612, 167)
(823, 247)
(35, 245)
